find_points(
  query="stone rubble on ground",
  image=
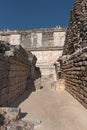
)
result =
(10, 119)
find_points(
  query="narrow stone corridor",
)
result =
(36, 67)
(57, 110)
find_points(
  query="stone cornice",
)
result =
(46, 48)
(40, 30)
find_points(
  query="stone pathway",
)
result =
(57, 110)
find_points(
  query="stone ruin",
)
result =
(10, 119)
(18, 73)
(45, 43)
(18, 69)
(74, 58)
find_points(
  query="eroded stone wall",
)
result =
(74, 59)
(15, 69)
(76, 34)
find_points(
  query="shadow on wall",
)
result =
(17, 74)
(38, 73)
(30, 87)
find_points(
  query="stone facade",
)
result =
(35, 38)
(74, 59)
(46, 61)
(15, 70)
(45, 43)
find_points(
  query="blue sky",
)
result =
(28, 14)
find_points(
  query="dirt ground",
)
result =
(57, 110)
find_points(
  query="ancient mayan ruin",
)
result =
(51, 62)
(74, 59)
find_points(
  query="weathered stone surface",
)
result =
(10, 120)
(74, 60)
(45, 43)
(35, 38)
(76, 32)
(16, 65)
(10, 114)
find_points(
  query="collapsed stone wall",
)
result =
(15, 69)
(74, 59)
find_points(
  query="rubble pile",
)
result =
(10, 119)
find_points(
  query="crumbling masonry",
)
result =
(74, 59)
(17, 67)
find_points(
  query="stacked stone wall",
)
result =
(15, 68)
(4, 70)
(73, 62)
(74, 70)
(76, 34)
(18, 74)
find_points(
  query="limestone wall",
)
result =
(46, 60)
(35, 38)
(74, 59)
(4, 67)
(75, 74)
(15, 69)
(13, 39)
(45, 43)
(76, 34)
